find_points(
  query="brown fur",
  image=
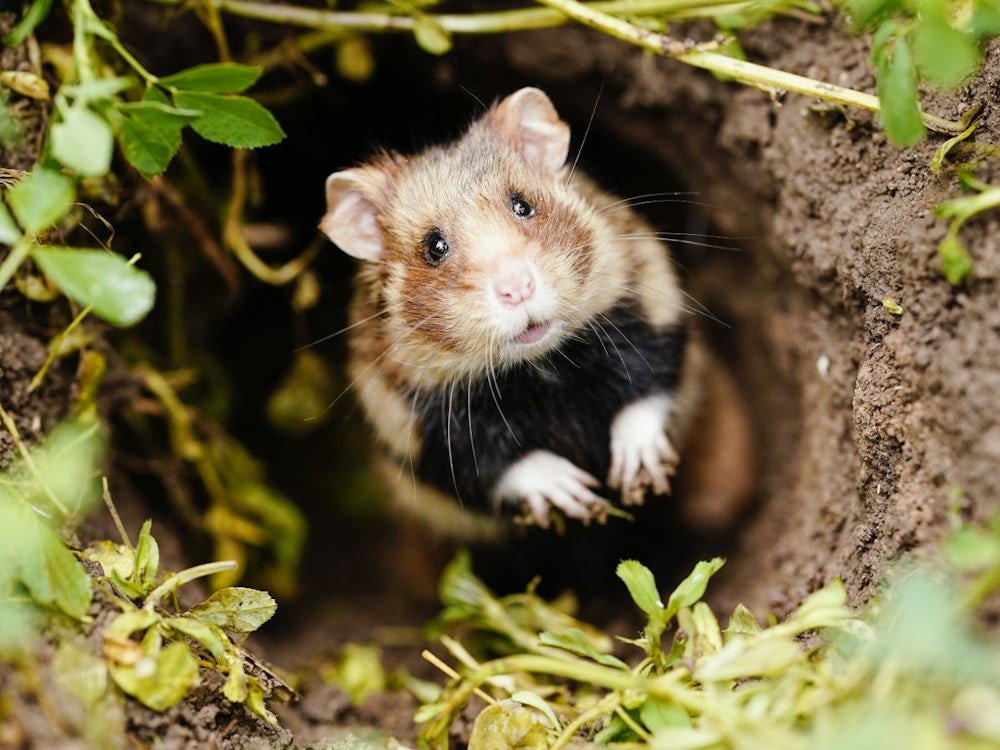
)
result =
(426, 326)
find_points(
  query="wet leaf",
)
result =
(40, 199)
(219, 78)
(235, 121)
(117, 291)
(236, 609)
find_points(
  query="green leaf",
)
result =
(956, 262)
(209, 636)
(896, 84)
(742, 622)
(574, 641)
(117, 291)
(83, 141)
(741, 659)
(943, 55)
(66, 464)
(431, 36)
(147, 559)
(9, 231)
(150, 134)
(102, 88)
(641, 586)
(692, 588)
(867, 12)
(236, 609)
(657, 715)
(40, 199)
(33, 16)
(236, 688)
(219, 78)
(52, 574)
(159, 681)
(234, 121)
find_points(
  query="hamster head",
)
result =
(481, 253)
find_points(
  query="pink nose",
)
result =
(514, 285)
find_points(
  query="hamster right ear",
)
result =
(351, 219)
(528, 119)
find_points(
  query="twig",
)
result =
(752, 74)
(232, 235)
(106, 494)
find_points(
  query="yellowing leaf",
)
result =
(159, 681)
(237, 609)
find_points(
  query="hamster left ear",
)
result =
(528, 119)
(351, 218)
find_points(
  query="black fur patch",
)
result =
(472, 432)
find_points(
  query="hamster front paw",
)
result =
(642, 457)
(542, 480)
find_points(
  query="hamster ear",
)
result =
(351, 218)
(528, 119)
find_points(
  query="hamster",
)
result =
(519, 340)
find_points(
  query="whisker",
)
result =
(341, 331)
(586, 133)
(491, 379)
(447, 438)
(472, 440)
(406, 334)
(629, 342)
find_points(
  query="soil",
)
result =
(874, 429)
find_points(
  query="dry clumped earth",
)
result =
(870, 426)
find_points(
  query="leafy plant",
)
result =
(911, 668)
(154, 653)
(937, 42)
(956, 262)
(41, 493)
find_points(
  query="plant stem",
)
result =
(177, 580)
(597, 15)
(17, 255)
(521, 19)
(752, 74)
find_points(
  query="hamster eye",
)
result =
(435, 247)
(521, 208)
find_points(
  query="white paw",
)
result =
(642, 457)
(543, 480)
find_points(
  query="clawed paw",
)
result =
(642, 457)
(542, 481)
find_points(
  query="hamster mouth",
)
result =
(534, 333)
